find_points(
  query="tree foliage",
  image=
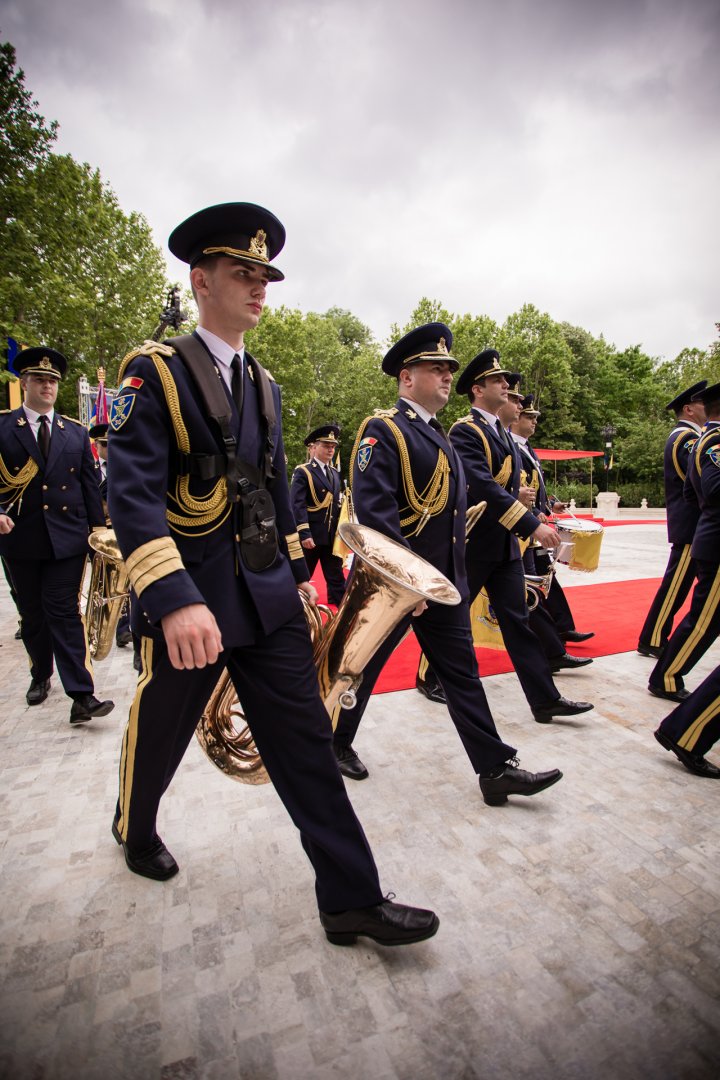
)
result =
(78, 273)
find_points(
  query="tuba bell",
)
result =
(387, 582)
(107, 593)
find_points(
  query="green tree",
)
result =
(78, 273)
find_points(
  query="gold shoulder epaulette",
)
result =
(385, 412)
(270, 377)
(73, 420)
(148, 348)
(463, 420)
(5, 411)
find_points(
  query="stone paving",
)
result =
(580, 929)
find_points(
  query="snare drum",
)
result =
(583, 539)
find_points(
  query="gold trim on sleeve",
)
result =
(511, 517)
(152, 561)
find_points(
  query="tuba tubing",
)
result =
(387, 582)
(107, 592)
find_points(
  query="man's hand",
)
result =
(192, 637)
(6, 524)
(546, 537)
(309, 590)
(309, 543)
(558, 507)
(526, 496)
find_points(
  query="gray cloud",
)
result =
(560, 153)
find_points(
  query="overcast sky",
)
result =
(564, 153)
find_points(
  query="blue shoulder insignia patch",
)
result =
(121, 409)
(713, 453)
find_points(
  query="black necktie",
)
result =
(437, 426)
(237, 382)
(504, 436)
(44, 436)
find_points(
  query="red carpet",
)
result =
(615, 611)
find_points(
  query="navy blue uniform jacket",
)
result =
(380, 488)
(310, 486)
(61, 503)
(703, 479)
(178, 533)
(492, 468)
(682, 514)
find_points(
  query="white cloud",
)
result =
(564, 154)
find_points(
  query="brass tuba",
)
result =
(387, 582)
(107, 593)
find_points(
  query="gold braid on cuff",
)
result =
(151, 562)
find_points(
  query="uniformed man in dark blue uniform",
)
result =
(408, 483)
(693, 728)
(694, 635)
(492, 467)
(682, 518)
(202, 512)
(49, 503)
(534, 560)
(316, 497)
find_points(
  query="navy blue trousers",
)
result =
(47, 593)
(277, 687)
(695, 724)
(445, 638)
(670, 597)
(694, 635)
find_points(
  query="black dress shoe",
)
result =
(570, 662)
(432, 691)
(123, 638)
(655, 651)
(86, 707)
(349, 763)
(154, 862)
(137, 662)
(562, 707)
(511, 780)
(385, 923)
(696, 763)
(18, 633)
(37, 691)
(577, 635)
(670, 695)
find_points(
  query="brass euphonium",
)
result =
(107, 593)
(387, 582)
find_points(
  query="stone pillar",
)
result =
(608, 504)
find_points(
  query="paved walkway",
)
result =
(580, 930)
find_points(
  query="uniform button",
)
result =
(455, 513)
(64, 507)
(46, 507)
(238, 538)
(454, 539)
(63, 487)
(73, 469)
(45, 487)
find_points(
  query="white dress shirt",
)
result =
(223, 354)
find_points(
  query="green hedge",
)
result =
(631, 495)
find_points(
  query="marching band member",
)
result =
(556, 604)
(492, 468)
(49, 503)
(408, 483)
(316, 497)
(694, 635)
(682, 519)
(202, 513)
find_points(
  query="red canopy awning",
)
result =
(566, 455)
